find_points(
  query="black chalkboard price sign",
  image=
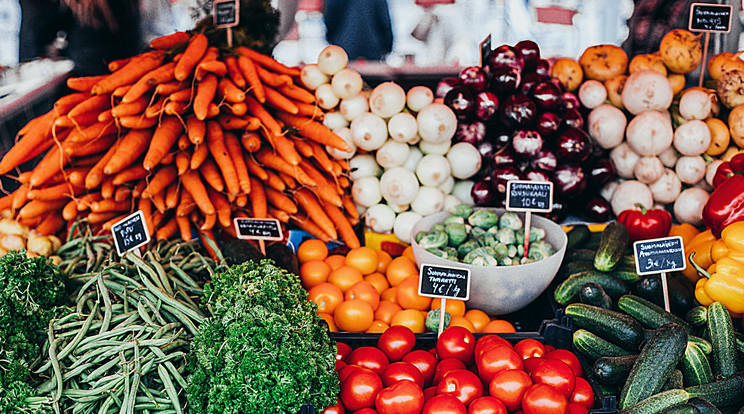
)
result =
(666, 254)
(706, 17)
(130, 232)
(444, 282)
(260, 229)
(529, 196)
(226, 13)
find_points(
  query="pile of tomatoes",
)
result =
(367, 290)
(461, 375)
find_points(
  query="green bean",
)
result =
(182, 382)
(169, 388)
(161, 274)
(183, 276)
(106, 304)
(155, 310)
(106, 405)
(69, 347)
(135, 380)
(123, 277)
(82, 292)
(58, 323)
(143, 313)
(181, 317)
(127, 389)
(55, 363)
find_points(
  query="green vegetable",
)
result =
(536, 234)
(465, 248)
(611, 248)
(484, 218)
(435, 239)
(453, 219)
(506, 235)
(432, 320)
(481, 256)
(616, 327)
(456, 232)
(461, 210)
(723, 340)
(510, 220)
(540, 250)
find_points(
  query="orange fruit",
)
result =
(345, 277)
(311, 249)
(411, 318)
(408, 252)
(453, 306)
(354, 316)
(477, 317)
(314, 272)
(498, 326)
(363, 258)
(385, 311)
(377, 327)
(329, 320)
(383, 260)
(390, 295)
(462, 321)
(326, 296)
(400, 269)
(335, 261)
(408, 297)
(378, 280)
(364, 291)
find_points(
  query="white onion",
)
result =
(669, 157)
(433, 170)
(464, 159)
(352, 107)
(606, 125)
(428, 201)
(690, 169)
(387, 99)
(688, 208)
(608, 189)
(692, 137)
(334, 120)
(325, 97)
(647, 90)
(592, 93)
(398, 208)
(628, 193)
(418, 97)
(649, 133)
(666, 189)
(332, 59)
(312, 77)
(415, 140)
(399, 185)
(403, 225)
(337, 154)
(436, 123)
(463, 191)
(414, 156)
(392, 154)
(450, 201)
(368, 131)
(366, 191)
(710, 171)
(363, 165)
(696, 104)
(379, 218)
(624, 159)
(648, 169)
(402, 127)
(347, 83)
(447, 185)
(439, 148)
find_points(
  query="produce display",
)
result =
(17, 236)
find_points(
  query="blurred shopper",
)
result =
(651, 20)
(361, 27)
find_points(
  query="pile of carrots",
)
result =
(191, 135)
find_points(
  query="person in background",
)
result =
(97, 31)
(651, 20)
(361, 27)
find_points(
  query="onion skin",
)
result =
(681, 50)
(601, 62)
(731, 88)
(615, 86)
(568, 72)
(647, 90)
(719, 136)
(648, 61)
(736, 125)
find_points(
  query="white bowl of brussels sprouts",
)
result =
(490, 242)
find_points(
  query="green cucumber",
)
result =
(697, 316)
(722, 393)
(656, 361)
(593, 294)
(577, 236)
(704, 406)
(674, 382)
(739, 342)
(568, 290)
(612, 246)
(581, 255)
(649, 314)
(703, 344)
(615, 327)
(721, 330)
(695, 366)
(681, 409)
(628, 261)
(626, 275)
(613, 370)
(595, 347)
(570, 268)
(657, 403)
(681, 298)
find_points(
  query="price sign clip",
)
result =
(130, 233)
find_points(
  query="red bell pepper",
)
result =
(725, 205)
(723, 172)
(645, 224)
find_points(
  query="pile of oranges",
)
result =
(367, 290)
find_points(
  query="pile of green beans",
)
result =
(122, 348)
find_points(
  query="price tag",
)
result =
(226, 13)
(529, 196)
(444, 282)
(260, 229)
(485, 49)
(666, 254)
(130, 232)
(706, 17)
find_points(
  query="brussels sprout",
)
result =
(526, 260)
(437, 227)
(437, 252)
(451, 253)
(484, 218)
(461, 210)
(420, 235)
(500, 250)
(512, 252)
(432, 320)
(456, 233)
(506, 236)
(481, 256)
(510, 220)
(434, 240)
(535, 235)
(479, 235)
(507, 261)
(465, 248)
(454, 219)
(540, 250)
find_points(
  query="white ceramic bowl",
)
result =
(499, 290)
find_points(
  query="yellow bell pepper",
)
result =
(700, 245)
(700, 294)
(685, 230)
(724, 281)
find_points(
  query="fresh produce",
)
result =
(645, 224)
(17, 236)
(724, 205)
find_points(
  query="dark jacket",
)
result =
(361, 27)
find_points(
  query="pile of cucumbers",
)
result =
(654, 361)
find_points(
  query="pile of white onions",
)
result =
(402, 162)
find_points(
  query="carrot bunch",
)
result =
(190, 138)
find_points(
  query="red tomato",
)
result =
(531, 363)
(446, 366)
(509, 387)
(582, 393)
(337, 408)
(543, 399)
(360, 389)
(344, 372)
(342, 351)
(487, 405)
(489, 341)
(368, 357)
(456, 342)
(495, 359)
(462, 384)
(396, 341)
(429, 393)
(530, 348)
(400, 398)
(398, 371)
(555, 373)
(424, 361)
(444, 404)
(568, 357)
(575, 408)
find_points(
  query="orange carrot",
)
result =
(313, 130)
(201, 152)
(169, 40)
(183, 142)
(261, 113)
(208, 240)
(105, 205)
(343, 225)
(53, 162)
(288, 180)
(220, 154)
(31, 222)
(168, 158)
(186, 205)
(270, 160)
(158, 200)
(148, 81)
(160, 181)
(181, 95)
(196, 130)
(95, 175)
(303, 147)
(350, 207)
(138, 188)
(167, 88)
(81, 149)
(213, 110)
(241, 200)
(133, 173)
(251, 141)
(229, 121)
(315, 211)
(137, 122)
(182, 161)
(325, 190)
(167, 231)
(321, 156)
(234, 72)
(285, 147)
(156, 108)
(248, 70)
(93, 131)
(268, 62)
(115, 65)
(84, 202)
(230, 91)
(69, 211)
(7, 200)
(280, 215)
(172, 195)
(145, 205)
(274, 181)
(20, 197)
(132, 108)
(236, 154)
(129, 73)
(297, 93)
(254, 168)
(122, 193)
(258, 199)
(55, 192)
(205, 91)
(83, 83)
(309, 110)
(36, 208)
(193, 53)
(163, 139)
(80, 121)
(194, 185)
(23, 150)
(309, 226)
(108, 224)
(213, 66)
(222, 206)
(121, 91)
(281, 201)
(63, 105)
(105, 116)
(281, 102)
(175, 108)
(184, 227)
(51, 224)
(76, 176)
(273, 79)
(131, 146)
